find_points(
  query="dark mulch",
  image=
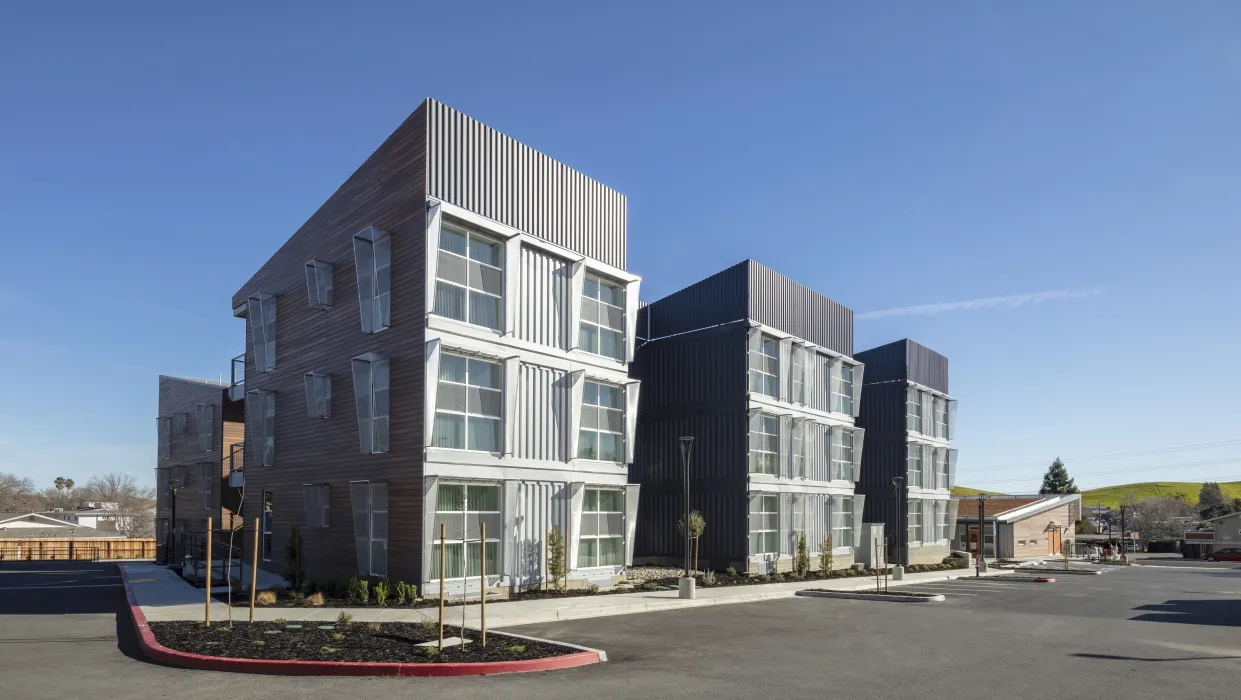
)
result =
(394, 642)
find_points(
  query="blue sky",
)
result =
(1074, 165)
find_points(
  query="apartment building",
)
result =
(759, 370)
(909, 467)
(200, 433)
(444, 345)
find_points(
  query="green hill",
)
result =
(1113, 496)
(967, 491)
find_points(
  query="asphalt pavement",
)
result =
(1140, 633)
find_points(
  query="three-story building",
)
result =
(759, 370)
(909, 468)
(445, 344)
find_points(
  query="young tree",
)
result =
(17, 494)
(1159, 518)
(697, 526)
(134, 503)
(1210, 495)
(1057, 480)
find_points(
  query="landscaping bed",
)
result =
(391, 642)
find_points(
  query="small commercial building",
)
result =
(1225, 532)
(1016, 527)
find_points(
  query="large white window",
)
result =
(799, 449)
(842, 454)
(941, 520)
(318, 394)
(371, 374)
(941, 418)
(469, 275)
(765, 444)
(915, 520)
(269, 511)
(315, 498)
(913, 464)
(798, 375)
(261, 310)
(603, 520)
(370, 526)
(765, 366)
(261, 433)
(913, 410)
(843, 523)
(461, 508)
(764, 524)
(603, 423)
(941, 469)
(468, 403)
(844, 399)
(372, 253)
(603, 318)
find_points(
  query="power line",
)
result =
(1230, 460)
(1117, 455)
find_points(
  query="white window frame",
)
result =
(844, 397)
(914, 525)
(842, 461)
(460, 536)
(599, 327)
(319, 284)
(798, 443)
(599, 515)
(497, 421)
(261, 433)
(317, 504)
(797, 375)
(372, 255)
(941, 417)
(760, 380)
(762, 514)
(913, 416)
(365, 515)
(318, 394)
(768, 458)
(261, 312)
(843, 521)
(913, 453)
(469, 287)
(599, 430)
(941, 520)
(942, 477)
(269, 513)
(372, 381)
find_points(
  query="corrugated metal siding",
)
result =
(818, 467)
(717, 299)
(692, 373)
(781, 303)
(820, 391)
(883, 417)
(541, 505)
(543, 413)
(927, 367)
(476, 167)
(543, 312)
(885, 363)
(892, 512)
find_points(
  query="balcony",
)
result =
(237, 387)
(237, 465)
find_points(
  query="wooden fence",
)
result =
(61, 549)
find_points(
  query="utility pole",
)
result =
(982, 497)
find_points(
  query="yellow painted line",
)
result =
(141, 580)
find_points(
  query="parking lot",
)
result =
(1139, 632)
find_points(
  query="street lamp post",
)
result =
(897, 482)
(982, 498)
(686, 588)
(173, 485)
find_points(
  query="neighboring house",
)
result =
(40, 526)
(1225, 533)
(908, 469)
(758, 369)
(200, 430)
(98, 518)
(1015, 527)
(445, 343)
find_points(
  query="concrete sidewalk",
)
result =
(165, 596)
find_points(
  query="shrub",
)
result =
(650, 586)
(428, 651)
(328, 650)
(516, 648)
(258, 643)
(344, 618)
(265, 598)
(279, 621)
(794, 576)
(381, 592)
(428, 624)
(825, 554)
(314, 600)
(338, 635)
(801, 563)
(731, 571)
(405, 593)
(708, 578)
(592, 589)
(359, 590)
(555, 554)
(373, 626)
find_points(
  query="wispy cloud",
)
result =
(1011, 301)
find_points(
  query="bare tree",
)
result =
(1159, 518)
(134, 503)
(17, 494)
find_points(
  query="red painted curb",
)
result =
(1044, 580)
(154, 650)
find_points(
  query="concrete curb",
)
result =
(936, 598)
(154, 650)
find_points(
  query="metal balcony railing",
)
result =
(236, 464)
(237, 387)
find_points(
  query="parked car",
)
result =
(1225, 554)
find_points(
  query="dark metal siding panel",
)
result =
(885, 363)
(693, 384)
(720, 298)
(927, 367)
(779, 302)
(883, 457)
(891, 510)
(478, 168)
